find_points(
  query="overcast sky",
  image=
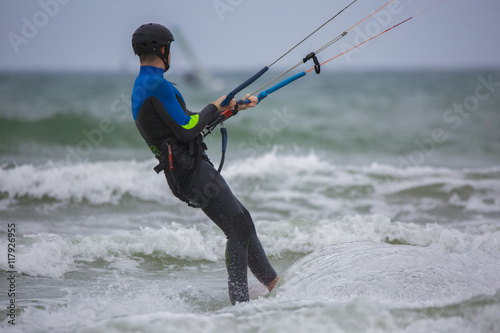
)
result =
(248, 34)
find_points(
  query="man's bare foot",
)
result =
(271, 285)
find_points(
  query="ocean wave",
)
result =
(271, 315)
(360, 286)
(393, 274)
(96, 183)
(304, 236)
(312, 184)
(53, 255)
(286, 184)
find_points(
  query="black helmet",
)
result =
(149, 39)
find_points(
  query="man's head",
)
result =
(151, 40)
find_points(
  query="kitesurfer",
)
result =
(173, 134)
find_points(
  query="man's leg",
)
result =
(257, 259)
(243, 247)
(220, 205)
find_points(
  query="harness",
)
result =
(183, 152)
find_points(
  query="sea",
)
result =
(376, 195)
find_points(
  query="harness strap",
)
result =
(163, 164)
(159, 168)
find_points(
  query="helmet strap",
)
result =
(164, 57)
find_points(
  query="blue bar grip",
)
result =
(242, 86)
(280, 85)
(243, 101)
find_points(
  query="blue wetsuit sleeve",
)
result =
(166, 93)
(186, 125)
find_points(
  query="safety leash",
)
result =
(223, 133)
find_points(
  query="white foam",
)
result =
(96, 183)
(305, 236)
(279, 316)
(399, 275)
(53, 255)
(308, 185)
(105, 300)
(286, 184)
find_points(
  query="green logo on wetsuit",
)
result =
(155, 150)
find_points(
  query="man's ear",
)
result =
(163, 49)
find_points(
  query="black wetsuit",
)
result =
(173, 135)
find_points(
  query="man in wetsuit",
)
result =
(173, 134)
